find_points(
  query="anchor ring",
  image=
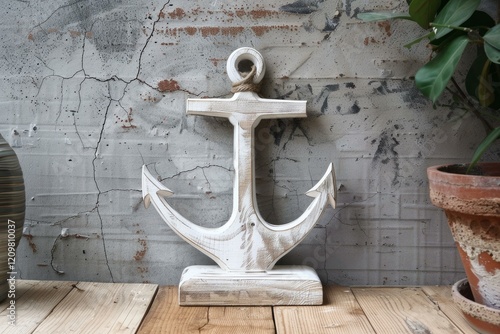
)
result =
(240, 55)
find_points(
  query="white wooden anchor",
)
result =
(246, 247)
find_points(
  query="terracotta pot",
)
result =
(12, 208)
(472, 206)
(483, 319)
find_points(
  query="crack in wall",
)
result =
(193, 169)
(96, 156)
(160, 13)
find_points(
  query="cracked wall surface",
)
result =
(97, 89)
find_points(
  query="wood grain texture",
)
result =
(340, 314)
(402, 310)
(229, 320)
(441, 296)
(67, 307)
(166, 316)
(35, 300)
(284, 285)
(100, 308)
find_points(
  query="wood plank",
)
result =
(35, 300)
(237, 319)
(441, 296)
(22, 286)
(100, 308)
(402, 310)
(340, 314)
(166, 316)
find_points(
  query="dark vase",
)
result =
(12, 209)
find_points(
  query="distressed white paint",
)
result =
(246, 243)
(241, 54)
(284, 285)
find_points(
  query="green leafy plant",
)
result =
(452, 27)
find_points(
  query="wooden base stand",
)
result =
(283, 285)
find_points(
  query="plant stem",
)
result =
(437, 25)
(487, 127)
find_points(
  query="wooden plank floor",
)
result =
(85, 307)
(77, 307)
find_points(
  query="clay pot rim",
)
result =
(491, 178)
(488, 167)
(466, 304)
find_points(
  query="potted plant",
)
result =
(469, 193)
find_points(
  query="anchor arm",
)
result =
(209, 241)
(287, 236)
(324, 191)
(153, 192)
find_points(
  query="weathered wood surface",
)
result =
(73, 307)
(402, 310)
(284, 285)
(70, 307)
(100, 308)
(339, 314)
(166, 316)
(345, 310)
(35, 300)
(441, 297)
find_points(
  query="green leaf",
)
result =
(454, 13)
(424, 11)
(479, 21)
(492, 37)
(492, 53)
(432, 78)
(492, 44)
(382, 16)
(483, 146)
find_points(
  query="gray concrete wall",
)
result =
(96, 89)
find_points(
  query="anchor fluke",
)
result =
(151, 186)
(326, 185)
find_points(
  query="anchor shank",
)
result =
(244, 163)
(245, 110)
